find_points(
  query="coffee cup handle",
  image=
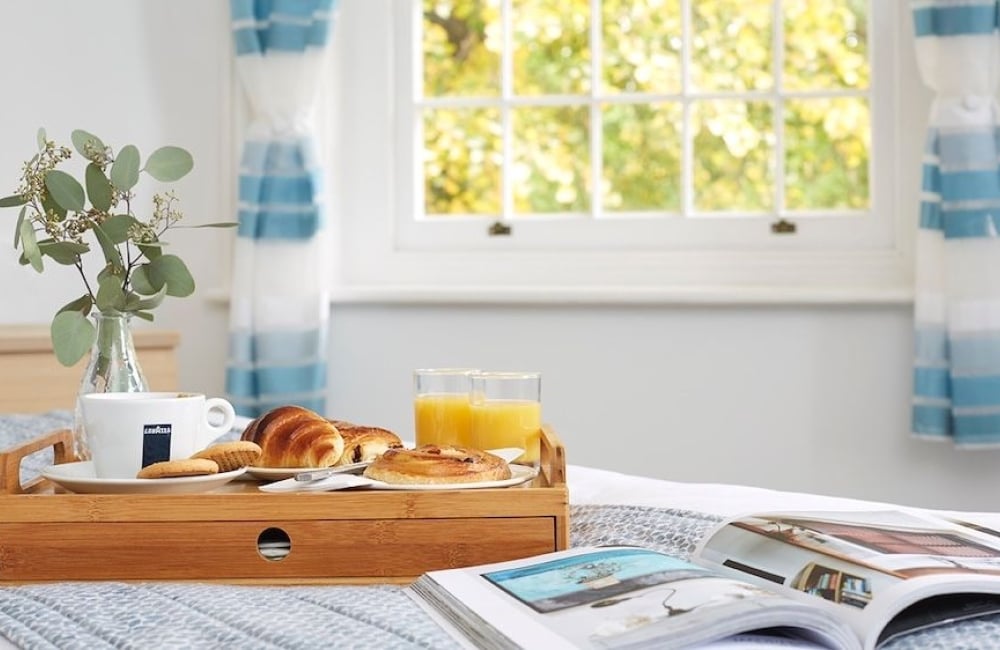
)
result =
(228, 418)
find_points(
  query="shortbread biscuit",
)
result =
(232, 455)
(183, 467)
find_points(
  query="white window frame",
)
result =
(382, 256)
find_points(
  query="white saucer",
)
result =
(79, 477)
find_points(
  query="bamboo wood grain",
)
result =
(355, 537)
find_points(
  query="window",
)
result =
(660, 146)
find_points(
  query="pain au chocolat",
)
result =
(294, 436)
(430, 464)
(364, 443)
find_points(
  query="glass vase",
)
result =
(113, 367)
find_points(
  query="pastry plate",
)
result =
(519, 474)
(79, 477)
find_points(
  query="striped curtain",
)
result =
(280, 301)
(957, 309)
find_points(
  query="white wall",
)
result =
(808, 398)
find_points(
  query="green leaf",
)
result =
(111, 254)
(13, 200)
(81, 139)
(151, 250)
(170, 269)
(40, 139)
(137, 303)
(29, 246)
(110, 296)
(66, 191)
(17, 228)
(125, 168)
(64, 252)
(116, 227)
(81, 304)
(168, 164)
(144, 315)
(141, 282)
(51, 206)
(98, 188)
(72, 336)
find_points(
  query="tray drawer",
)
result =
(318, 550)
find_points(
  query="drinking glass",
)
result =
(507, 412)
(441, 406)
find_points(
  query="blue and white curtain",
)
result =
(957, 310)
(280, 301)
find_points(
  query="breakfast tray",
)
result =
(238, 534)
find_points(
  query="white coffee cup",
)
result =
(127, 431)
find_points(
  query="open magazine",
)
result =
(803, 579)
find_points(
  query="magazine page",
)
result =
(871, 568)
(616, 597)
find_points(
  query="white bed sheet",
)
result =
(592, 486)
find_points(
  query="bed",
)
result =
(606, 508)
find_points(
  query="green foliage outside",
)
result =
(826, 137)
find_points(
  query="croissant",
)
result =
(364, 443)
(293, 436)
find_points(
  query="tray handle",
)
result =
(61, 440)
(551, 458)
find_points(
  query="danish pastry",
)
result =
(430, 464)
(364, 443)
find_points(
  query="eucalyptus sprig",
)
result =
(55, 221)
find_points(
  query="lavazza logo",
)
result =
(156, 429)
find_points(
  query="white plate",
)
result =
(79, 477)
(279, 473)
(519, 474)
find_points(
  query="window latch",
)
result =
(499, 229)
(783, 227)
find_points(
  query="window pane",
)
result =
(551, 170)
(642, 157)
(462, 43)
(826, 44)
(551, 47)
(731, 45)
(642, 45)
(462, 161)
(826, 160)
(733, 155)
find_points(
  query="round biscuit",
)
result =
(182, 467)
(232, 455)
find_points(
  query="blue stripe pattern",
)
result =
(279, 186)
(963, 187)
(955, 20)
(280, 192)
(272, 368)
(261, 26)
(956, 369)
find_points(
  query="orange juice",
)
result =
(508, 423)
(442, 419)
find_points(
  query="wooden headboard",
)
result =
(32, 381)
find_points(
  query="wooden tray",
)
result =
(48, 534)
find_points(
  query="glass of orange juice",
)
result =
(441, 413)
(507, 412)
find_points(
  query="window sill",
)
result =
(604, 296)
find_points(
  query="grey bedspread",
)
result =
(169, 615)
